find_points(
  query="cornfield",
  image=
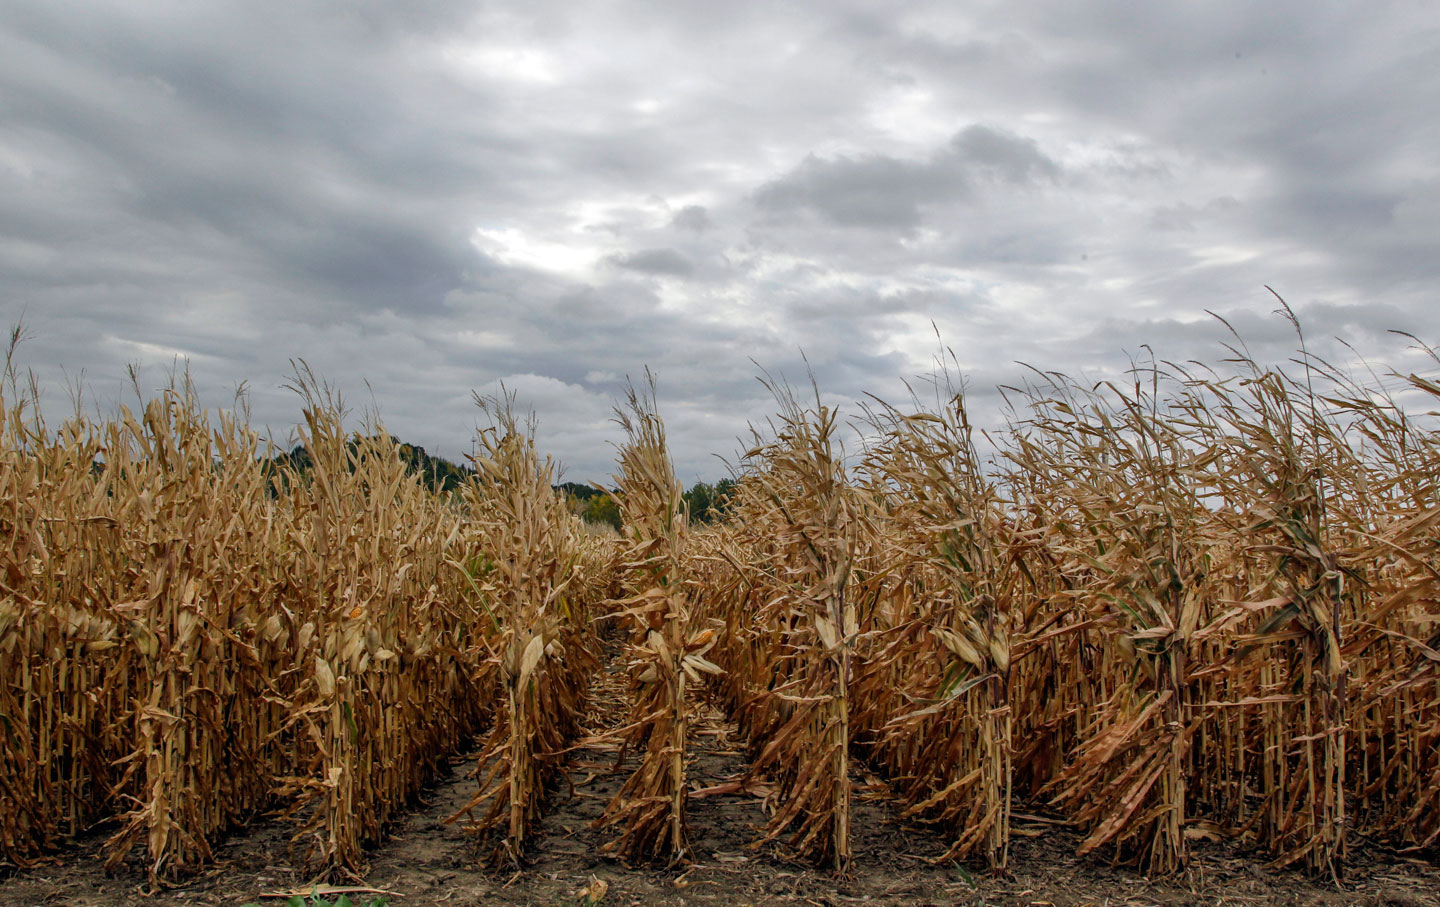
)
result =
(189, 638)
(1176, 606)
(1184, 603)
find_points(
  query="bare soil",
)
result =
(425, 861)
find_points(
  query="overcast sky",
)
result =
(436, 196)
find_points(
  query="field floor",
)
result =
(427, 862)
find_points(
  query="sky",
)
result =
(427, 199)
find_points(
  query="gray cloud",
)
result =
(666, 262)
(1001, 156)
(885, 193)
(874, 191)
(442, 196)
(694, 218)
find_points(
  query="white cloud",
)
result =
(484, 64)
(513, 246)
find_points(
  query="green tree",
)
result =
(709, 503)
(602, 509)
(700, 500)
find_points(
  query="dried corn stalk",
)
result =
(189, 635)
(378, 628)
(795, 509)
(663, 653)
(1275, 447)
(189, 783)
(936, 686)
(525, 567)
(1133, 554)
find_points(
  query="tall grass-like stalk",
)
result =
(792, 656)
(1118, 492)
(1274, 444)
(1393, 647)
(665, 652)
(523, 560)
(936, 677)
(190, 634)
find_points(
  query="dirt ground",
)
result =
(427, 862)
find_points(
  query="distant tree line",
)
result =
(437, 473)
(707, 503)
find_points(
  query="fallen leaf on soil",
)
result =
(760, 789)
(593, 893)
(328, 890)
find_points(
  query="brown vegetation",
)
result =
(1180, 606)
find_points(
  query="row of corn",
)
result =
(194, 633)
(1175, 607)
